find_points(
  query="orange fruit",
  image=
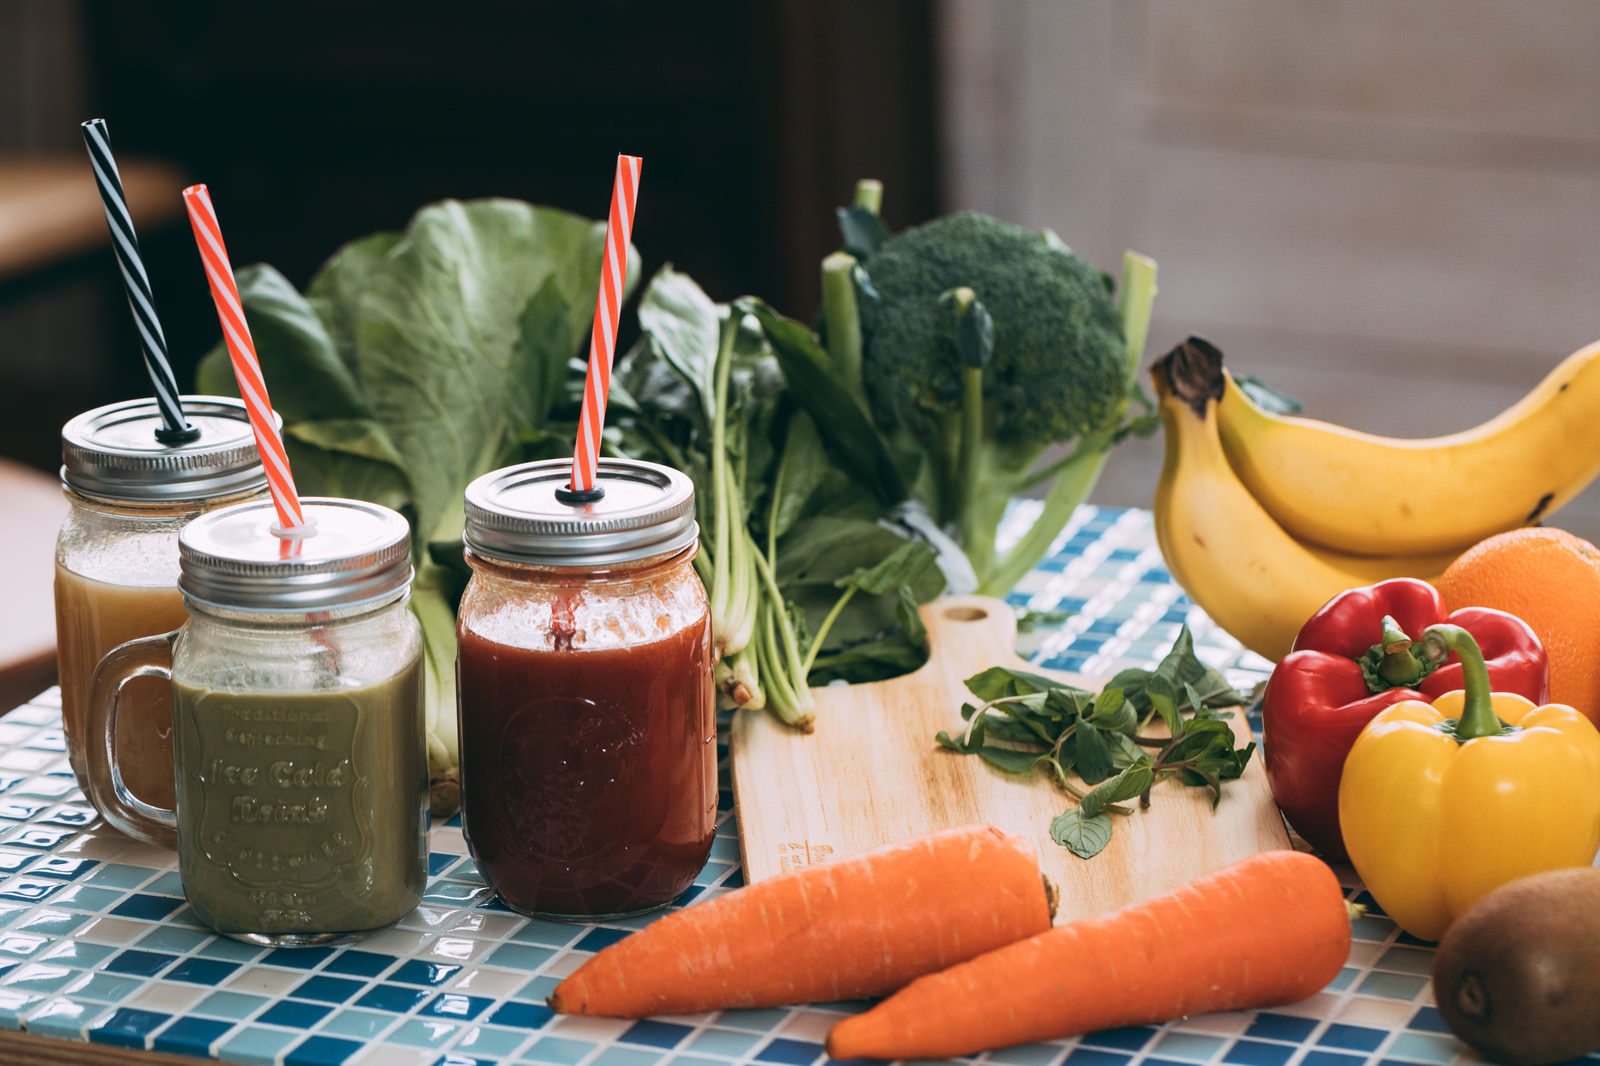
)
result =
(1550, 579)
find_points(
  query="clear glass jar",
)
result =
(117, 555)
(297, 702)
(585, 699)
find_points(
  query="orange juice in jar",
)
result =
(117, 557)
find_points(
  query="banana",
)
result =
(1253, 578)
(1375, 495)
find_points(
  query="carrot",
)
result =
(859, 926)
(1269, 929)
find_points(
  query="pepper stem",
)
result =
(1394, 662)
(1477, 713)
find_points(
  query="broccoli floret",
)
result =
(984, 344)
(1058, 370)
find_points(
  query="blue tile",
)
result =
(191, 1036)
(361, 1024)
(397, 999)
(1428, 1020)
(522, 1015)
(120, 875)
(420, 1032)
(108, 987)
(29, 889)
(457, 1007)
(359, 963)
(140, 963)
(538, 990)
(595, 939)
(417, 972)
(43, 837)
(62, 1018)
(545, 934)
(176, 939)
(1268, 1026)
(236, 1006)
(150, 908)
(1255, 1053)
(255, 1047)
(520, 956)
(1084, 1056)
(1129, 1038)
(657, 1034)
(85, 898)
(62, 867)
(322, 1051)
(70, 814)
(790, 1052)
(20, 810)
(328, 989)
(12, 860)
(297, 958)
(168, 884)
(439, 862)
(294, 1014)
(1353, 1037)
(496, 1043)
(557, 1050)
(78, 952)
(456, 1058)
(126, 1027)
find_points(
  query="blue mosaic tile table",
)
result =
(98, 945)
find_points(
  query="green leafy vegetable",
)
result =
(1027, 721)
(805, 583)
(973, 346)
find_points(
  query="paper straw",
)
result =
(175, 428)
(242, 352)
(607, 310)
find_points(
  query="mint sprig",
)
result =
(1102, 741)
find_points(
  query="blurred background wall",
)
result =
(1389, 208)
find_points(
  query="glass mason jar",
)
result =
(585, 700)
(297, 703)
(117, 555)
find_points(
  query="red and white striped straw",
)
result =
(242, 352)
(607, 310)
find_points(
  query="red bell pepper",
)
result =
(1353, 659)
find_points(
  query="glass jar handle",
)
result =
(145, 657)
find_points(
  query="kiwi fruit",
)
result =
(1517, 976)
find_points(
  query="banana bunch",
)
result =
(1263, 518)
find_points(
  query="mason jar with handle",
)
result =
(297, 709)
(116, 566)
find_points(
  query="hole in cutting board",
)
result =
(965, 614)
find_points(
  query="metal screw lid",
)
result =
(358, 553)
(112, 453)
(514, 515)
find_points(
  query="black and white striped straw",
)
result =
(175, 428)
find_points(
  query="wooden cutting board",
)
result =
(872, 773)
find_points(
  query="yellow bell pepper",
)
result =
(1442, 803)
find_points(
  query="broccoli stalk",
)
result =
(842, 317)
(1075, 476)
(983, 345)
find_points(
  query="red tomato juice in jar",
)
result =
(587, 713)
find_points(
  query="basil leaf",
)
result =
(1125, 786)
(1093, 757)
(1083, 835)
(1010, 760)
(1000, 681)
